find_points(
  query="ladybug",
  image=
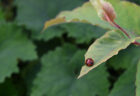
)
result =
(89, 62)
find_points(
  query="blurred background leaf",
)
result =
(125, 57)
(125, 82)
(34, 13)
(138, 80)
(14, 46)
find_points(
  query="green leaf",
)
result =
(138, 39)
(58, 75)
(125, 18)
(125, 57)
(1, 15)
(49, 34)
(8, 89)
(138, 80)
(74, 30)
(86, 13)
(14, 46)
(125, 85)
(104, 48)
(33, 13)
(83, 33)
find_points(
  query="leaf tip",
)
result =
(83, 71)
(53, 22)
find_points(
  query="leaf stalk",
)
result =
(120, 28)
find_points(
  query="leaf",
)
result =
(49, 34)
(88, 14)
(33, 13)
(138, 80)
(125, 85)
(104, 48)
(104, 10)
(54, 21)
(58, 75)
(1, 15)
(125, 57)
(74, 30)
(138, 39)
(125, 18)
(85, 13)
(14, 46)
(83, 33)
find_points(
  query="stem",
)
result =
(136, 43)
(119, 27)
(115, 25)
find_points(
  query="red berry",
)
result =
(89, 62)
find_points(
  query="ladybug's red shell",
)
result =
(89, 62)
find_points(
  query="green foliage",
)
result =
(47, 62)
(138, 79)
(14, 46)
(1, 15)
(125, 82)
(33, 13)
(85, 13)
(65, 82)
(104, 48)
(80, 30)
(125, 57)
(126, 21)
